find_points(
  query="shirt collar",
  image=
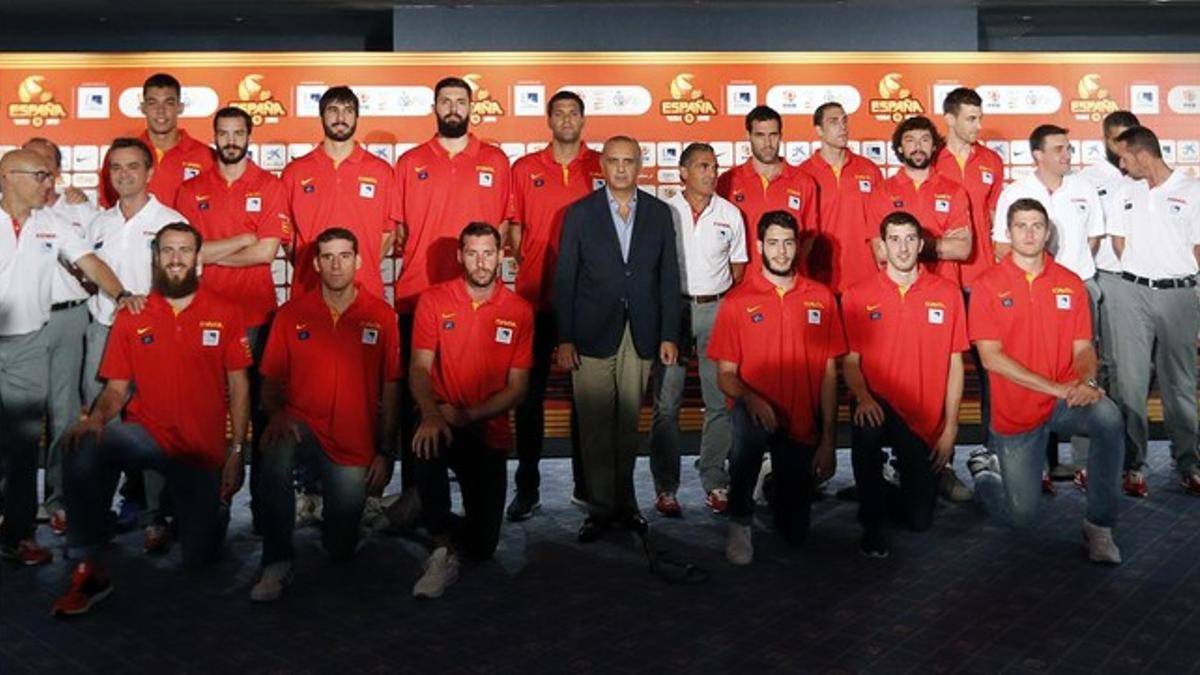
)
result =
(612, 201)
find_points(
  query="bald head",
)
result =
(24, 177)
(47, 149)
(621, 161)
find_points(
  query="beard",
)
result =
(176, 288)
(777, 271)
(448, 129)
(476, 278)
(339, 136)
(912, 164)
(227, 160)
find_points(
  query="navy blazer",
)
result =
(595, 290)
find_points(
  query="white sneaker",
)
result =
(983, 461)
(441, 570)
(1100, 545)
(275, 577)
(309, 508)
(739, 548)
(764, 470)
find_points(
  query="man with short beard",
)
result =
(242, 213)
(472, 350)
(171, 369)
(339, 184)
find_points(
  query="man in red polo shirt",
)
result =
(544, 184)
(241, 211)
(906, 330)
(846, 182)
(472, 351)
(177, 156)
(332, 366)
(339, 184)
(776, 342)
(1030, 319)
(176, 363)
(767, 183)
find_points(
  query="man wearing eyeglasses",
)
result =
(32, 242)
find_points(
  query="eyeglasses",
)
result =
(39, 176)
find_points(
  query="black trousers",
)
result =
(791, 469)
(915, 499)
(483, 478)
(408, 406)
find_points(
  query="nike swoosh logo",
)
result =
(753, 309)
(143, 331)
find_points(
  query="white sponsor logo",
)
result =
(1019, 99)
(197, 102)
(795, 99)
(610, 100)
(373, 101)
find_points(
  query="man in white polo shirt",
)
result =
(32, 242)
(122, 236)
(1157, 237)
(711, 244)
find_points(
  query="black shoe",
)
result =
(593, 529)
(874, 544)
(523, 505)
(634, 522)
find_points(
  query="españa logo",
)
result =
(484, 108)
(1093, 102)
(895, 101)
(257, 102)
(687, 103)
(36, 106)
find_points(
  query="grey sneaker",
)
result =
(1100, 545)
(441, 570)
(275, 577)
(739, 548)
(982, 461)
(951, 487)
(523, 505)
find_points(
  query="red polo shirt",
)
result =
(792, 190)
(355, 194)
(982, 176)
(186, 160)
(844, 256)
(939, 204)
(178, 364)
(334, 368)
(1036, 321)
(905, 338)
(253, 203)
(781, 341)
(474, 345)
(542, 189)
(437, 195)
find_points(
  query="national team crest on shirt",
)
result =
(1062, 301)
(757, 317)
(598, 183)
(1080, 206)
(1006, 302)
(897, 203)
(486, 178)
(1175, 205)
(203, 205)
(370, 336)
(941, 205)
(253, 204)
(504, 335)
(794, 202)
(448, 324)
(875, 315)
(210, 337)
(814, 317)
(308, 186)
(987, 177)
(145, 335)
(366, 190)
(864, 185)
(190, 171)
(538, 182)
(937, 315)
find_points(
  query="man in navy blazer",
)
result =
(617, 298)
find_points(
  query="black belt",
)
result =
(1181, 282)
(704, 299)
(66, 305)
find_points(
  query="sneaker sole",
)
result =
(434, 596)
(92, 602)
(518, 517)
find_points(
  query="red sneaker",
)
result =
(1134, 484)
(1081, 479)
(668, 505)
(1191, 481)
(156, 539)
(1047, 484)
(89, 585)
(717, 500)
(58, 522)
(27, 553)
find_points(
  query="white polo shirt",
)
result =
(1108, 181)
(1075, 214)
(28, 263)
(708, 244)
(125, 246)
(66, 287)
(1161, 227)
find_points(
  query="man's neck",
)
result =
(623, 195)
(785, 281)
(696, 200)
(338, 150)
(131, 205)
(1159, 174)
(180, 304)
(564, 152)
(480, 293)
(164, 141)
(1051, 180)
(1030, 264)
(339, 299)
(453, 146)
(917, 175)
(834, 156)
(903, 278)
(16, 210)
(957, 146)
(232, 172)
(764, 169)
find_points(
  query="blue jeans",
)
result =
(1014, 498)
(91, 471)
(791, 469)
(344, 490)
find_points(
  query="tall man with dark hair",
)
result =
(1157, 238)
(472, 350)
(334, 416)
(544, 184)
(906, 330)
(177, 156)
(616, 294)
(776, 342)
(172, 368)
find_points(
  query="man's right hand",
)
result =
(432, 430)
(761, 412)
(88, 426)
(868, 412)
(568, 358)
(280, 427)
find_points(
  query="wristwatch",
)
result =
(1091, 382)
(123, 294)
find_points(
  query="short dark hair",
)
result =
(46, 141)
(1141, 138)
(1026, 204)
(762, 113)
(564, 95)
(338, 94)
(451, 83)
(1037, 138)
(136, 144)
(177, 226)
(692, 149)
(959, 97)
(332, 234)
(780, 219)
(162, 81)
(819, 113)
(917, 123)
(230, 112)
(1120, 118)
(478, 229)
(900, 218)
